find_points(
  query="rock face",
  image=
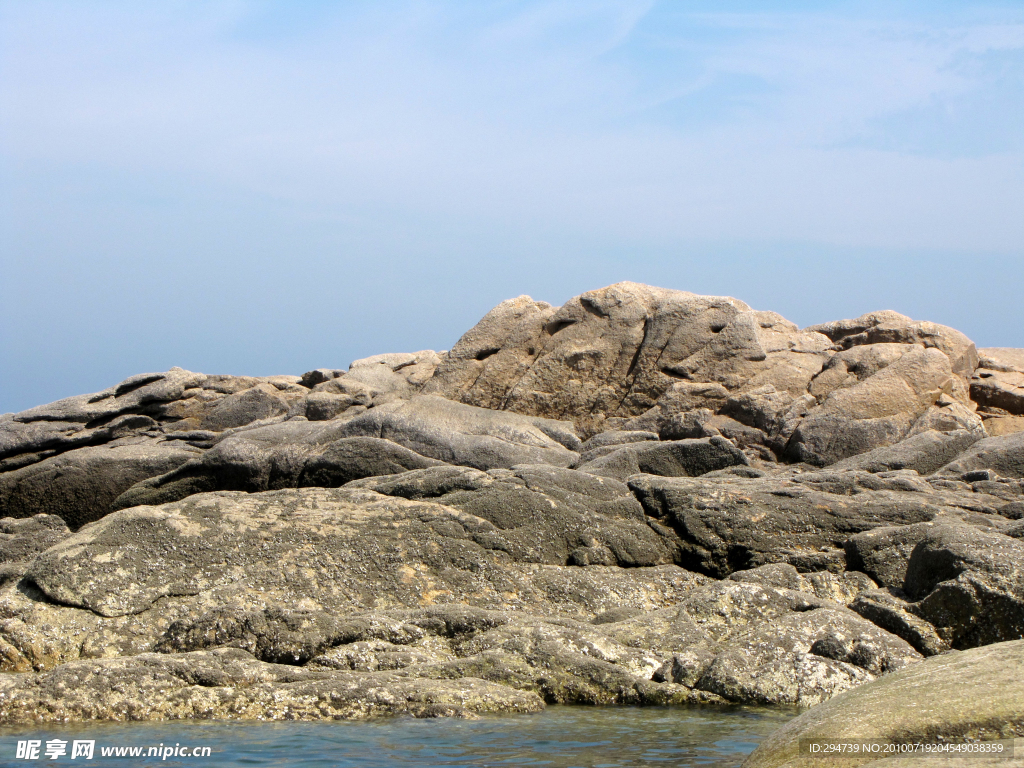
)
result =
(972, 695)
(642, 497)
(614, 352)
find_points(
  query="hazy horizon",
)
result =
(269, 187)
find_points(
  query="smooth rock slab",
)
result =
(973, 695)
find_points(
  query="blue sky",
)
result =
(267, 187)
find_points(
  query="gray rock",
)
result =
(676, 458)
(81, 485)
(463, 434)
(544, 514)
(230, 684)
(924, 453)
(875, 412)
(1004, 455)
(241, 408)
(969, 584)
(805, 658)
(617, 437)
(396, 375)
(21, 539)
(288, 455)
(975, 695)
(893, 614)
(733, 524)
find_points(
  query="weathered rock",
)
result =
(463, 434)
(1004, 455)
(893, 614)
(312, 547)
(287, 455)
(966, 696)
(544, 514)
(924, 453)
(81, 485)
(998, 384)
(891, 327)
(875, 412)
(997, 426)
(614, 352)
(241, 408)
(969, 584)
(396, 375)
(733, 524)
(805, 658)
(22, 539)
(841, 588)
(230, 684)
(675, 458)
(617, 437)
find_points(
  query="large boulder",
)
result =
(731, 523)
(81, 485)
(672, 458)
(544, 514)
(287, 455)
(612, 353)
(467, 435)
(998, 384)
(925, 452)
(975, 695)
(969, 584)
(395, 375)
(1003, 455)
(877, 411)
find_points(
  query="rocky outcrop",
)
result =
(975, 695)
(613, 353)
(642, 497)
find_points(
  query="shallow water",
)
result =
(560, 737)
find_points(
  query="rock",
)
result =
(997, 426)
(324, 406)
(890, 327)
(241, 408)
(969, 584)
(22, 539)
(998, 384)
(288, 455)
(1004, 455)
(966, 696)
(893, 614)
(467, 435)
(733, 524)
(875, 412)
(883, 553)
(614, 352)
(318, 376)
(394, 376)
(675, 458)
(230, 684)
(312, 546)
(805, 658)
(543, 514)
(924, 453)
(617, 437)
(81, 485)
(841, 588)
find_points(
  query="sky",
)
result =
(264, 187)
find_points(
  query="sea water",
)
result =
(559, 737)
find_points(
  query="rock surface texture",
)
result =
(645, 496)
